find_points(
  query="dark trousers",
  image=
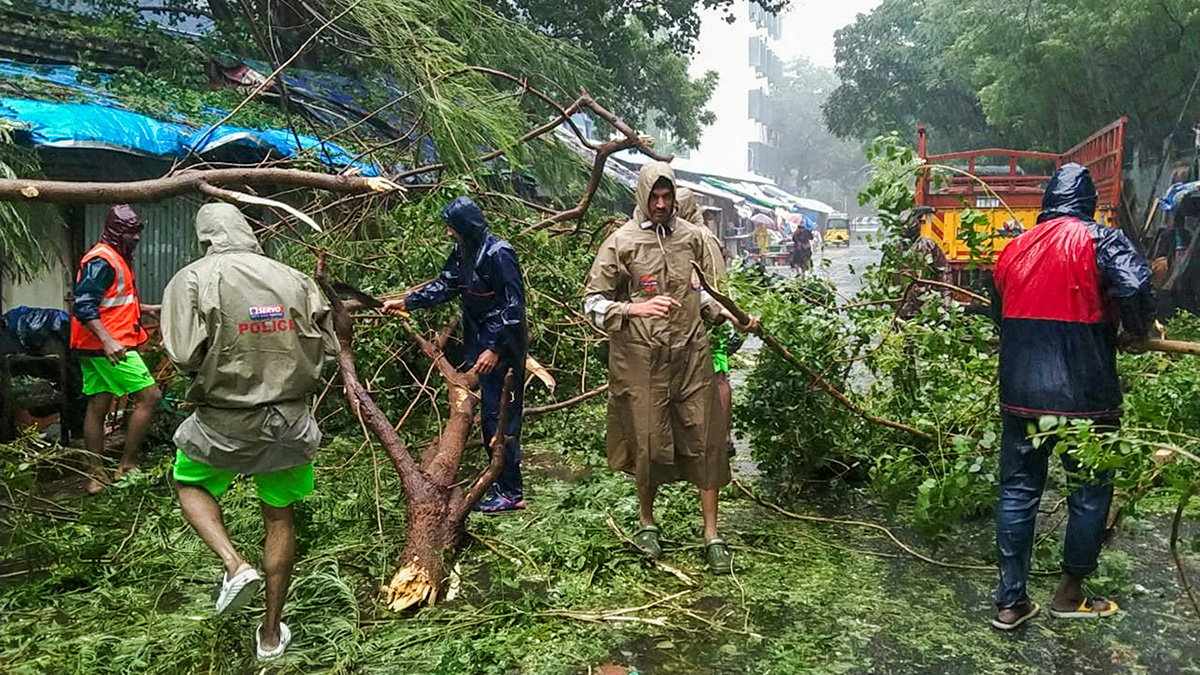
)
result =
(1022, 479)
(490, 388)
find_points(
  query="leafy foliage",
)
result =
(1032, 75)
(643, 47)
(893, 76)
(23, 248)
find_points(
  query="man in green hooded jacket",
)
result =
(253, 334)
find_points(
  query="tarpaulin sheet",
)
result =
(81, 125)
(280, 141)
(1176, 194)
(64, 77)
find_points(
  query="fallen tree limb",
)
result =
(858, 523)
(629, 139)
(181, 183)
(816, 377)
(950, 287)
(234, 197)
(552, 407)
(1150, 344)
(436, 504)
(1168, 346)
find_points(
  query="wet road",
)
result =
(844, 266)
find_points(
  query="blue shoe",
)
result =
(499, 503)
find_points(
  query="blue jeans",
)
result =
(490, 388)
(1022, 479)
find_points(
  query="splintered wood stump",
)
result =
(434, 498)
(432, 536)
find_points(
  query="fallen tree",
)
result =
(435, 500)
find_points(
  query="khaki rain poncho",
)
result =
(664, 417)
(253, 334)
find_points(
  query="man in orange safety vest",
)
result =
(106, 330)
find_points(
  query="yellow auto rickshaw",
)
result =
(837, 230)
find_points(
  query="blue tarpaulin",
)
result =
(83, 125)
(1176, 193)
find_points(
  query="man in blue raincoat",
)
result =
(1061, 290)
(483, 273)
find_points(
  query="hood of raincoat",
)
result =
(685, 206)
(466, 218)
(650, 173)
(1070, 192)
(223, 229)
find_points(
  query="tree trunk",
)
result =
(436, 503)
(433, 534)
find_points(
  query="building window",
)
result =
(757, 51)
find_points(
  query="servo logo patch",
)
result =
(267, 312)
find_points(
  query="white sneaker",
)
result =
(238, 591)
(285, 638)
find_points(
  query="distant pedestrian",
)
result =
(1061, 290)
(253, 334)
(924, 259)
(106, 331)
(802, 241)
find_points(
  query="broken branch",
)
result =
(816, 377)
(372, 416)
(181, 183)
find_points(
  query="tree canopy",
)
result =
(1041, 75)
(817, 163)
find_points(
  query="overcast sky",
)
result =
(809, 25)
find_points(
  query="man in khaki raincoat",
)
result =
(253, 334)
(664, 417)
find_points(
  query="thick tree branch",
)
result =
(414, 482)
(181, 183)
(499, 447)
(821, 382)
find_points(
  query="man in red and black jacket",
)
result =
(1061, 290)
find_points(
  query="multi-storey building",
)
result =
(744, 54)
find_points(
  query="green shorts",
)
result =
(278, 489)
(121, 379)
(720, 362)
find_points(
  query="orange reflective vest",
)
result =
(120, 311)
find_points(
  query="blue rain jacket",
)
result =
(483, 273)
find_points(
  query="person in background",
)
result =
(762, 238)
(723, 340)
(106, 331)
(484, 274)
(1060, 292)
(253, 334)
(924, 259)
(664, 419)
(802, 240)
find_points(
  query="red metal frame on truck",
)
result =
(1103, 153)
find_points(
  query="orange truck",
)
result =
(1006, 186)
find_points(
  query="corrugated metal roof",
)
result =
(168, 241)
